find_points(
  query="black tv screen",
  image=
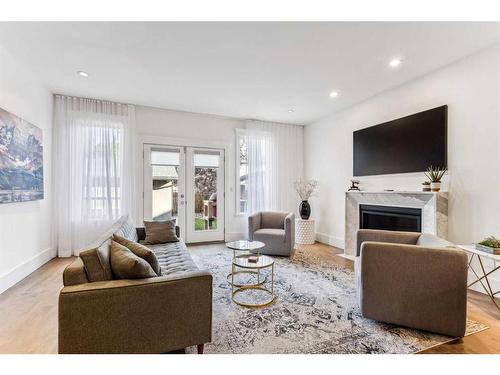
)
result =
(408, 144)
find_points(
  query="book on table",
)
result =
(253, 259)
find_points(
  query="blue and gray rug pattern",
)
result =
(315, 311)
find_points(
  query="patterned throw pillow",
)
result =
(141, 251)
(159, 232)
(126, 265)
(127, 230)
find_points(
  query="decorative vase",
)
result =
(305, 210)
(426, 187)
(435, 186)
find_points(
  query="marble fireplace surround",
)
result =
(434, 208)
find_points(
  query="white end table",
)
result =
(304, 232)
(482, 275)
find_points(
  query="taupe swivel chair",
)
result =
(275, 229)
(415, 280)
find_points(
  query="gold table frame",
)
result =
(238, 289)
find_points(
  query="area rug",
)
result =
(315, 312)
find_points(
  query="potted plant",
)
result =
(305, 189)
(435, 175)
(490, 245)
(426, 186)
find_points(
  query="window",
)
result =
(102, 148)
(241, 172)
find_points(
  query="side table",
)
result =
(482, 275)
(304, 232)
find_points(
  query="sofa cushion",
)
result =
(127, 230)
(141, 251)
(270, 233)
(274, 240)
(173, 258)
(126, 265)
(158, 232)
(106, 235)
(431, 240)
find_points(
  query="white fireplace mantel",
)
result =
(434, 208)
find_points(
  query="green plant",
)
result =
(491, 241)
(435, 174)
(426, 183)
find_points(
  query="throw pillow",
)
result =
(96, 262)
(141, 251)
(127, 230)
(159, 232)
(126, 265)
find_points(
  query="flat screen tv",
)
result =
(409, 144)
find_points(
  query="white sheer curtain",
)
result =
(93, 169)
(275, 161)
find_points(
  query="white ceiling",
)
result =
(243, 70)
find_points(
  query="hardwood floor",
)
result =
(28, 312)
(481, 309)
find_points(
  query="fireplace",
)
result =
(432, 208)
(406, 219)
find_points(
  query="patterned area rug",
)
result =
(315, 312)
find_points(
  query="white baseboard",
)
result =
(330, 240)
(19, 272)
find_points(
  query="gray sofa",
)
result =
(152, 315)
(413, 280)
(275, 229)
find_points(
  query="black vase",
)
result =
(305, 210)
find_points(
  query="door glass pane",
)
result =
(206, 160)
(165, 167)
(165, 157)
(206, 166)
(243, 174)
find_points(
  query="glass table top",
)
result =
(244, 245)
(242, 261)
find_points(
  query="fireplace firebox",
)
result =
(406, 219)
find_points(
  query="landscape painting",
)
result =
(21, 159)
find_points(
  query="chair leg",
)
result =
(200, 348)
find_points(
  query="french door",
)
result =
(186, 184)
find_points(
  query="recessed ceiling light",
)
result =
(334, 94)
(82, 73)
(291, 110)
(394, 63)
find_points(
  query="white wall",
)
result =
(194, 127)
(25, 227)
(471, 89)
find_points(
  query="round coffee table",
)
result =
(244, 245)
(247, 247)
(242, 261)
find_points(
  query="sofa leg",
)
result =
(200, 348)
